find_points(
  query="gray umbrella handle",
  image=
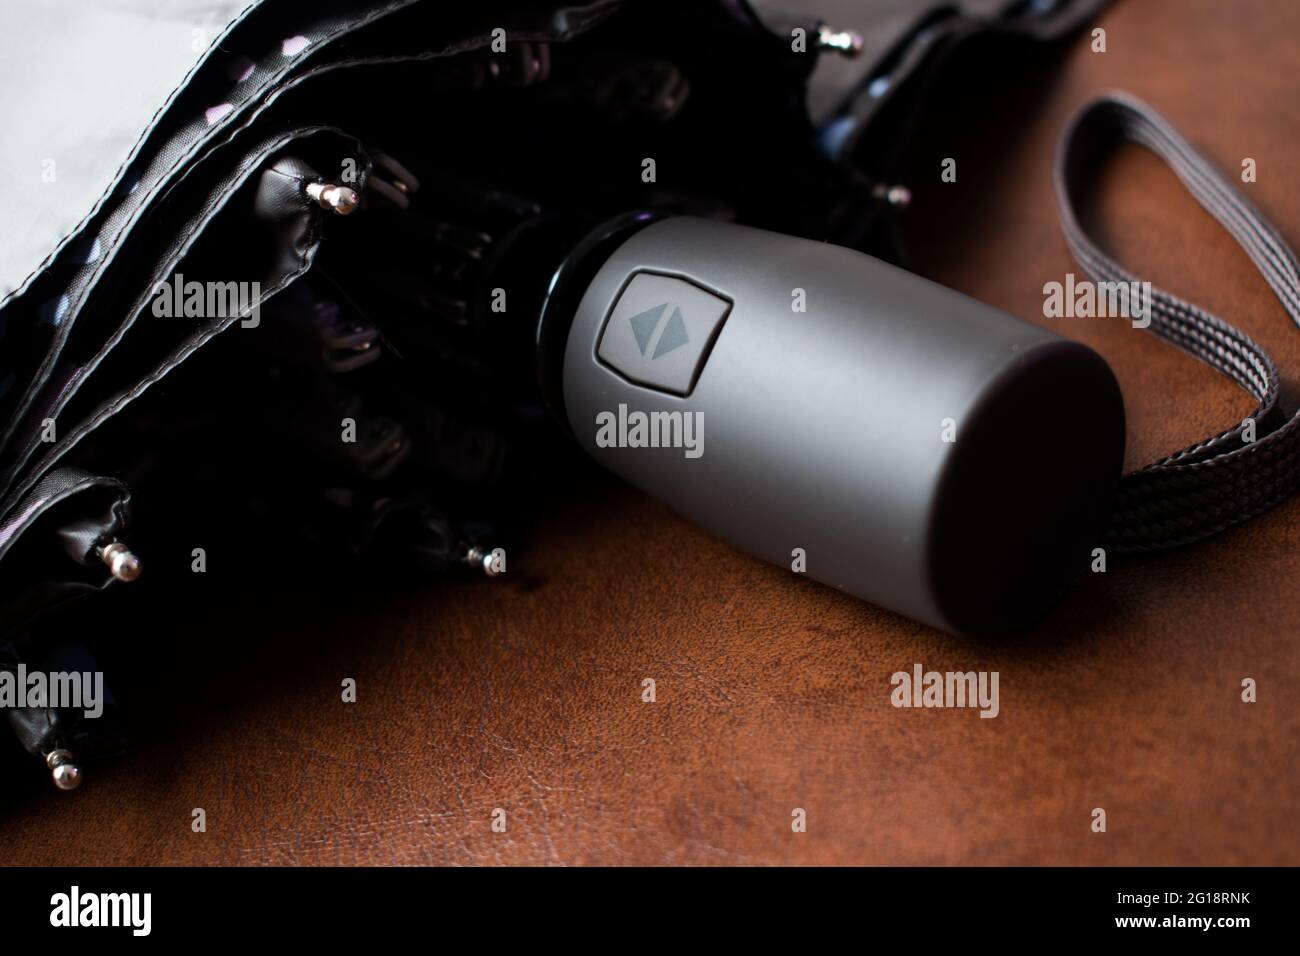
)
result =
(846, 419)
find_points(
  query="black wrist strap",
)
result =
(1226, 479)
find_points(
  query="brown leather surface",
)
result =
(772, 691)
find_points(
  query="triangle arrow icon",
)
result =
(643, 325)
(674, 335)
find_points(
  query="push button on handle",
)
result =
(661, 330)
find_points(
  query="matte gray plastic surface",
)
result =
(660, 332)
(919, 449)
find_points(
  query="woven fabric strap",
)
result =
(1226, 479)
